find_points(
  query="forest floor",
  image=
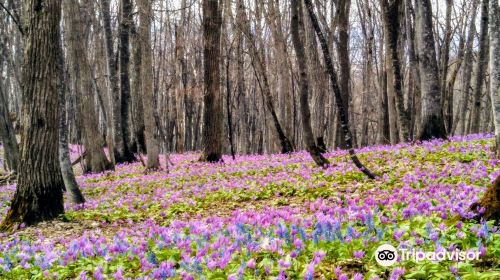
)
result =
(270, 216)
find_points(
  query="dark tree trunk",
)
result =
(481, 66)
(7, 132)
(7, 135)
(228, 105)
(213, 117)
(40, 185)
(391, 12)
(336, 90)
(138, 141)
(114, 132)
(342, 17)
(431, 123)
(123, 152)
(297, 29)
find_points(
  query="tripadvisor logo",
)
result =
(387, 255)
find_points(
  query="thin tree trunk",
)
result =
(495, 69)
(95, 159)
(122, 150)
(228, 104)
(391, 12)
(7, 135)
(64, 161)
(443, 69)
(145, 14)
(138, 141)
(297, 29)
(40, 185)
(481, 66)
(461, 121)
(450, 120)
(431, 123)
(342, 18)
(260, 69)
(336, 90)
(114, 132)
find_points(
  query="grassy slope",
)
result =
(278, 211)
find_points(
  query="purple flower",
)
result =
(251, 264)
(359, 254)
(358, 276)
(98, 273)
(118, 275)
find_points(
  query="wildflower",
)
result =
(118, 275)
(359, 254)
(251, 264)
(358, 276)
(98, 273)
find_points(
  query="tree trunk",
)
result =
(461, 121)
(284, 68)
(122, 149)
(228, 105)
(261, 73)
(214, 114)
(342, 17)
(297, 29)
(114, 132)
(481, 65)
(336, 90)
(384, 129)
(413, 64)
(145, 14)
(8, 135)
(431, 123)
(95, 159)
(40, 185)
(495, 69)
(64, 161)
(391, 12)
(448, 113)
(318, 78)
(138, 141)
(443, 69)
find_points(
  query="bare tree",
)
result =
(461, 120)
(336, 90)
(494, 27)
(7, 134)
(40, 185)
(431, 123)
(64, 161)
(391, 11)
(114, 132)
(297, 28)
(482, 63)
(122, 149)
(262, 78)
(95, 158)
(145, 14)
(214, 114)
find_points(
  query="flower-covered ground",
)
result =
(270, 217)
